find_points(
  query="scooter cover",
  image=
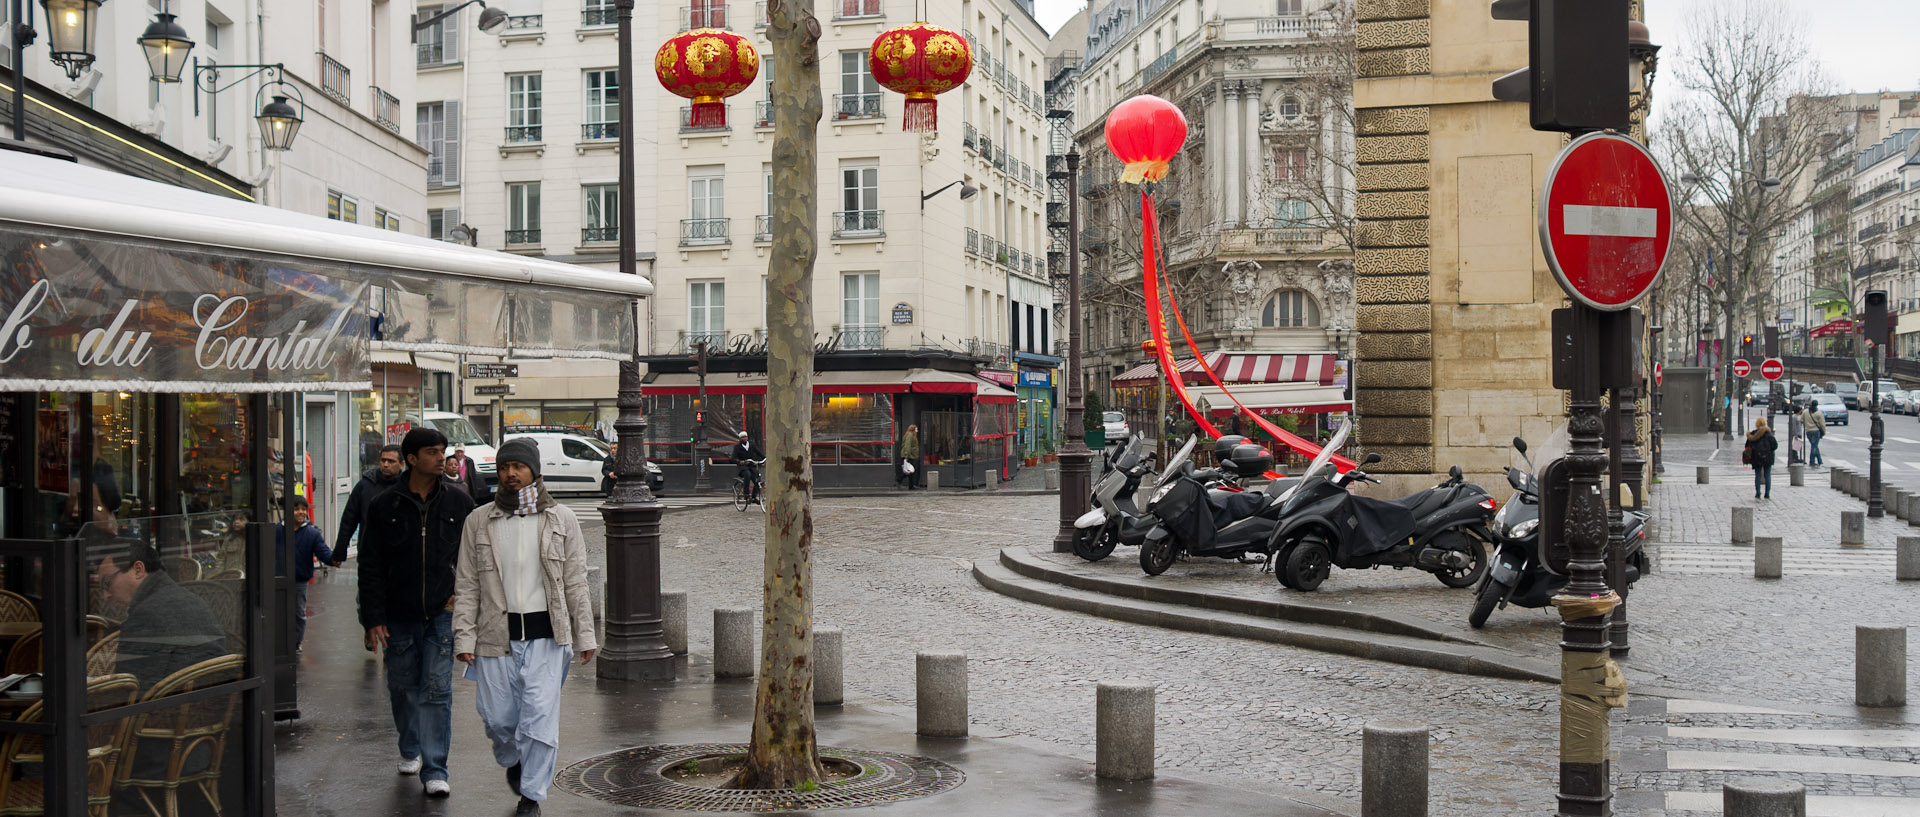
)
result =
(1369, 526)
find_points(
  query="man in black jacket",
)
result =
(168, 628)
(373, 483)
(746, 456)
(407, 556)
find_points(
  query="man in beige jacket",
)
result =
(521, 611)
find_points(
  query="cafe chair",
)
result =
(192, 737)
(182, 568)
(25, 655)
(104, 655)
(221, 598)
(15, 607)
(106, 748)
(97, 628)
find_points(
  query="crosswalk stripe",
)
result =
(1903, 440)
(1817, 806)
(1839, 463)
(1689, 706)
(1800, 764)
(1869, 738)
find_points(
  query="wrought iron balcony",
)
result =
(386, 109)
(429, 55)
(973, 241)
(708, 15)
(335, 80)
(603, 16)
(714, 339)
(857, 106)
(763, 229)
(523, 24)
(861, 337)
(697, 231)
(522, 134)
(858, 223)
(1160, 65)
(969, 136)
(524, 238)
(853, 9)
(686, 121)
(763, 111)
(600, 130)
(599, 235)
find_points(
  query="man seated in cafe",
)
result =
(168, 628)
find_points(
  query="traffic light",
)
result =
(699, 356)
(1746, 345)
(1576, 78)
(1876, 317)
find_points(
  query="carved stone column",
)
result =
(1251, 165)
(1232, 135)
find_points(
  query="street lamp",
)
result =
(74, 23)
(967, 191)
(166, 44)
(279, 119)
(490, 18)
(279, 122)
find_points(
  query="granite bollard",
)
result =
(733, 642)
(933, 478)
(1853, 528)
(940, 694)
(1767, 557)
(829, 673)
(1906, 565)
(1880, 665)
(1743, 525)
(1393, 769)
(673, 620)
(1763, 797)
(1796, 475)
(1123, 730)
(993, 479)
(1701, 476)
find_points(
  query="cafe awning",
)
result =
(1242, 367)
(920, 381)
(132, 285)
(1842, 326)
(1269, 399)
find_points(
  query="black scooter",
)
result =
(1196, 521)
(1441, 530)
(1115, 518)
(1522, 574)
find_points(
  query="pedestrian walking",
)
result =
(308, 544)
(520, 614)
(464, 473)
(908, 473)
(607, 475)
(406, 601)
(1758, 453)
(1816, 425)
(376, 481)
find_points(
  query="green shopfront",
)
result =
(1036, 383)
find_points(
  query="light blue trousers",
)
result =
(519, 703)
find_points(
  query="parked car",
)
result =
(570, 461)
(1913, 402)
(1803, 393)
(1894, 402)
(1847, 391)
(1116, 423)
(1833, 408)
(460, 432)
(1757, 392)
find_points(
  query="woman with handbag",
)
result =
(1758, 453)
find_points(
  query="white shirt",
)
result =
(517, 549)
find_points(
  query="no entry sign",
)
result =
(1772, 368)
(1606, 220)
(1741, 368)
(1659, 374)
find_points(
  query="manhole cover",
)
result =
(632, 777)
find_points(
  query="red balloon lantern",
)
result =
(920, 60)
(707, 65)
(1144, 133)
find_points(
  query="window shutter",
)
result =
(450, 39)
(450, 147)
(449, 219)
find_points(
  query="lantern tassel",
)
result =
(1147, 171)
(923, 115)
(708, 115)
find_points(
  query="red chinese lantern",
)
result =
(1149, 347)
(920, 60)
(1144, 133)
(707, 65)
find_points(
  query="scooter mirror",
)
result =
(1520, 446)
(1373, 458)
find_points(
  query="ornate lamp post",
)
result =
(1075, 457)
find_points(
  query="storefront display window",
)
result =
(213, 462)
(850, 429)
(670, 423)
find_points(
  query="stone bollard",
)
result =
(1393, 769)
(1763, 797)
(1053, 479)
(1853, 528)
(1766, 557)
(829, 673)
(1906, 565)
(1879, 666)
(1834, 475)
(1123, 730)
(1796, 475)
(733, 642)
(940, 694)
(1743, 525)
(933, 479)
(993, 480)
(1701, 476)
(673, 620)
(1894, 500)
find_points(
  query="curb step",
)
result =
(1465, 659)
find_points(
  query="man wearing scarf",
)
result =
(521, 611)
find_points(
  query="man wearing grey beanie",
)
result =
(521, 612)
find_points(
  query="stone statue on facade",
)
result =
(1243, 280)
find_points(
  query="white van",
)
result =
(460, 432)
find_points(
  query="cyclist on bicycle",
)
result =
(745, 453)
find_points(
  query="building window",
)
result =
(1290, 309)
(707, 312)
(438, 44)
(1289, 107)
(603, 213)
(523, 107)
(706, 205)
(1294, 213)
(1290, 165)
(860, 310)
(442, 220)
(1289, 7)
(860, 198)
(523, 213)
(342, 207)
(209, 51)
(437, 128)
(598, 13)
(385, 219)
(859, 96)
(601, 117)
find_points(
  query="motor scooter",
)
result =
(1194, 520)
(1116, 519)
(1441, 530)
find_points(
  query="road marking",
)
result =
(1839, 463)
(1903, 440)
(1869, 738)
(1802, 764)
(1711, 802)
(1688, 706)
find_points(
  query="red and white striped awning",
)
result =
(1239, 367)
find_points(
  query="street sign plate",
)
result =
(1741, 368)
(1606, 220)
(502, 388)
(1772, 368)
(1659, 373)
(493, 370)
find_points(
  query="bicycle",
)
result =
(741, 495)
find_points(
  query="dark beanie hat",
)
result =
(522, 451)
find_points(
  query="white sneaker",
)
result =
(410, 765)
(438, 788)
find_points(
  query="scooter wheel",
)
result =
(1466, 576)
(1156, 556)
(1094, 544)
(1308, 565)
(1483, 604)
(1278, 561)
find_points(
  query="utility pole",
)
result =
(1075, 458)
(1876, 338)
(702, 480)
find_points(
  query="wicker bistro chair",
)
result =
(25, 655)
(97, 628)
(106, 749)
(193, 737)
(183, 568)
(15, 607)
(223, 598)
(104, 655)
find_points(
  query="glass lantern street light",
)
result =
(74, 23)
(166, 44)
(279, 120)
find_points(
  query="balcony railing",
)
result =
(600, 130)
(428, 55)
(386, 109)
(704, 231)
(711, 15)
(599, 235)
(335, 80)
(524, 24)
(763, 113)
(686, 121)
(1000, 157)
(973, 241)
(1872, 231)
(763, 229)
(715, 339)
(522, 134)
(969, 136)
(856, 106)
(986, 145)
(858, 223)
(861, 337)
(1159, 66)
(988, 349)
(851, 9)
(605, 16)
(523, 237)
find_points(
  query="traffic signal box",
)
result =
(1576, 75)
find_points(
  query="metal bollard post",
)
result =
(1393, 769)
(1796, 475)
(1906, 566)
(733, 642)
(1767, 557)
(1743, 525)
(1123, 730)
(673, 620)
(940, 694)
(1763, 797)
(1853, 528)
(1701, 476)
(829, 671)
(1880, 666)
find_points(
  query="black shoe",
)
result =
(527, 808)
(513, 778)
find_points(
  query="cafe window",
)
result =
(851, 429)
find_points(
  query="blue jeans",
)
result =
(1763, 479)
(420, 687)
(1813, 447)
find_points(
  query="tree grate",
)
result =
(634, 777)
